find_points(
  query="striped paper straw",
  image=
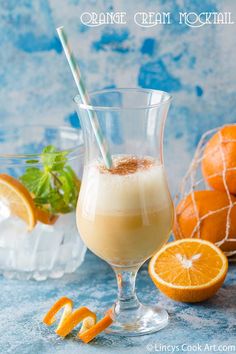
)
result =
(84, 97)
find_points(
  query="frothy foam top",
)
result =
(132, 185)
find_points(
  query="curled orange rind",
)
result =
(90, 328)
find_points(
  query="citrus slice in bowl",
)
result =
(45, 217)
(189, 270)
(18, 199)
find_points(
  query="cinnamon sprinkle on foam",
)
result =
(127, 165)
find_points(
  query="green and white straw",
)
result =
(102, 143)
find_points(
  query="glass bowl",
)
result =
(52, 247)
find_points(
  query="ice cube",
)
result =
(5, 211)
(47, 248)
(65, 221)
(13, 232)
(44, 238)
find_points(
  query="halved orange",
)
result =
(18, 199)
(189, 270)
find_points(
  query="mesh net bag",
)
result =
(194, 181)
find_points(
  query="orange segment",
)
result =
(189, 270)
(70, 319)
(18, 199)
(45, 217)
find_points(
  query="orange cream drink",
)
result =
(125, 214)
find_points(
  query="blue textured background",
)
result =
(197, 65)
(23, 305)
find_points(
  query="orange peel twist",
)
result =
(70, 319)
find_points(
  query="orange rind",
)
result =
(86, 335)
(90, 328)
(45, 217)
(204, 214)
(219, 160)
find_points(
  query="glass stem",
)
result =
(127, 298)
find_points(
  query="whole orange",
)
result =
(219, 159)
(212, 227)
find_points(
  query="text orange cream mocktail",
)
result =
(125, 214)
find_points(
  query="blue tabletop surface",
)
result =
(23, 304)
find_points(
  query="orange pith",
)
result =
(189, 270)
(18, 199)
(70, 319)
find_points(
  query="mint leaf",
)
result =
(53, 160)
(70, 193)
(57, 203)
(31, 178)
(31, 162)
(44, 186)
(54, 187)
(49, 149)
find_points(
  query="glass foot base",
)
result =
(142, 320)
